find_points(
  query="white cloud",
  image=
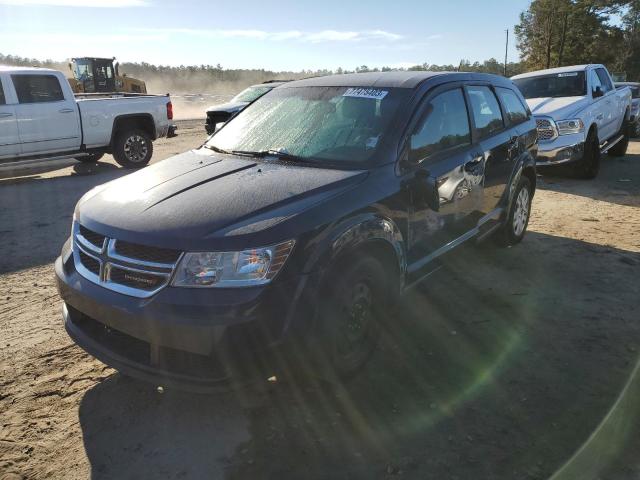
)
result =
(313, 37)
(78, 3)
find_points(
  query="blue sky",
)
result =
(274, 34)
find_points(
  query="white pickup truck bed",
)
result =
(40, 117)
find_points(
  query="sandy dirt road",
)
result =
(499, 368)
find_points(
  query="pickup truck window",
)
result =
(567, 84)
(445, 126)
(516, 112)
(337, 125)
(605, 81)
(486, 110)
(37, 88)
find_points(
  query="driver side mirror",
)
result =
(597, 92)
(424, 189)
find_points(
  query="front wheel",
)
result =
(349, 322)
(515, 225)
(589, 165)
(133, 148)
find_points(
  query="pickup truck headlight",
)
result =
(257, 266)
(567, 127)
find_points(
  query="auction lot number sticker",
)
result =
(373, 93)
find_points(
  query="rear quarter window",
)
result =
(37, 88)
(515, 110)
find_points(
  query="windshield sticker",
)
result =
(372, 142)
(373, 93)
(570, 74)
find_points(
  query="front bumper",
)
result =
(192, 339)
(562, 150)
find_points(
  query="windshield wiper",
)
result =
(216, 149)
(270, 153)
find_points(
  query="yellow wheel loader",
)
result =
(100, 75)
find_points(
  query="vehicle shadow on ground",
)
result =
(620, 177)
(44, 208)
(499, 367)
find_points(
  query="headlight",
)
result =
(257, 266)
(567, 127)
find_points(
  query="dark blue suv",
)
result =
(284, 239)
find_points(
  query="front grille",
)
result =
(127, 268)
(546, 129)
(90, 263)
(146, 253)
(91, 236)
(139, 280)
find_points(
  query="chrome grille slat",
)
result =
(546, 129)
(117, 272)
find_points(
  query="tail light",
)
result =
(169, 111)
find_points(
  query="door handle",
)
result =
(5, 114)
(600, 116)
(66, 110)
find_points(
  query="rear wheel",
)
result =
(349, 322)
(636, 129)
(90, 158)
(515, 225)
(620, 148)
(589, 166)
(133, 148)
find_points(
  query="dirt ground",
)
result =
(501, 367)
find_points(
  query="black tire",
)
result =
(90, 158)
(132, 148)
(636, 129)
(589, 165)
(620, 148)
(513, 232)
(356, 299)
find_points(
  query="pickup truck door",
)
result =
(9, 138)
(48, 121)
(603, 107)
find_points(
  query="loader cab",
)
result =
(94, 75)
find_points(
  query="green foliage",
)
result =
(554, 33)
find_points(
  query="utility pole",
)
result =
(506, 52)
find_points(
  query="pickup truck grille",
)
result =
(127, 268)
(546, 129)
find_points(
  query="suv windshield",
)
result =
(332, 124)
(250, 94)
(568, 84)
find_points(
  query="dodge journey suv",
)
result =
(292, 229)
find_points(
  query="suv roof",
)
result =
(392, 79)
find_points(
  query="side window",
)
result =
(516, 112)
(37, 88)
(486, 110)
(607, 86)
(2, 99)
(595, 81)
(445, 126)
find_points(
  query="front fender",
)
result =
(351, 233)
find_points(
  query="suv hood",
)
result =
(558, 108)
(231, 107)
(190, 200)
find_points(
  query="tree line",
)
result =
(553, 33)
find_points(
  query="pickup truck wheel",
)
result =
(636, 129)
(620, 148)
(515, 225)
(349, 321)
(91, 158)
(589, 166)
(133, 148)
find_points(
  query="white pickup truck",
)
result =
(41, 118)
(580, 115)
